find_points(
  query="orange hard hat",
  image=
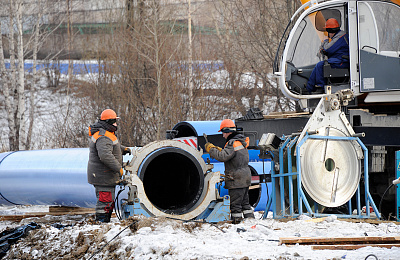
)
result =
(227, 125)
(108, 114)
(331, 23)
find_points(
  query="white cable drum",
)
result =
(330, 169)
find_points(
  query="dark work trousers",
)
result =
(240, 203)
(105, 199)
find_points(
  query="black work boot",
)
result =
(109, 216)
(249, 215)
(236, 220)
(102, 217)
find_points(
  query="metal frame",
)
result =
(397, 167)
(279, 179)
(218, 210)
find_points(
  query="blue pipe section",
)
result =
(46, 177)
(58, 177)
(197, 128)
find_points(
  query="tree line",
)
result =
(153, 71)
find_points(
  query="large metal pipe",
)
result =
(173, 179)
(172, 175)
(46, 177)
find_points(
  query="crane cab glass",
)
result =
(303, 50)
(379, 46)
(373, 32)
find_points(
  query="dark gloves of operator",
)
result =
(322, 51)
(127, 150)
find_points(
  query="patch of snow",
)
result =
(157, 238)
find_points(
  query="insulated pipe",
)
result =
(173, 177)
(46, 177)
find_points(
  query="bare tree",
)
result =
(249, 33)
(137, 73)
(14, 89)
(153, 41)
(23, 17)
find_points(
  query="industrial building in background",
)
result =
(76, 28)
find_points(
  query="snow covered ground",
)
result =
(160, 238)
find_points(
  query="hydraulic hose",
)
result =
(380, 203)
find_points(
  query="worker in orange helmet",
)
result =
(336, 50)
(237, 172)
(105, 162)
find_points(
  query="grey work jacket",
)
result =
(105, 158)
(236, 159)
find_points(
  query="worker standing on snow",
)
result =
(336, 48)
(105, 162)
(237, 172)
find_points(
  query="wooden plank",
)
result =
(53, 211)
(316, 220)
(11, 218)
(65, 210)
(339, 240)
(287, 114)
(351, 247)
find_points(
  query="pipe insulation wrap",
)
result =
(46, 177)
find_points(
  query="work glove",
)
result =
(322, 51)
(121, 172)
(127, 150)
(208, 147)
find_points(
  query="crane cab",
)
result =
(373, 30)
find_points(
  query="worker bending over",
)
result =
(105, 162)
(336, 48)
(237, 172)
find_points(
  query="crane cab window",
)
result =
(379, 46)
(307, 38)
(304, 50)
